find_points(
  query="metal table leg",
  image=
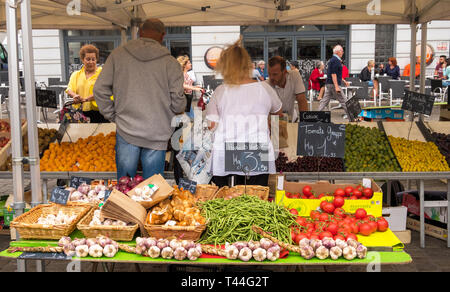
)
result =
(40, 266)
(44, 190)
(21, 266)
(422, 213)
(389, 193)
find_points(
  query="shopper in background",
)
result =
(239, 112)
(288, 85)
(407, 70)
(315, 81)
(188, 84)
(295, 66)
(440, 67)
(262, 69)
(446, 73)
(81, 84)
(392, 70)
(345, 73)
(147, 84)
(255, 73)
(334, 81)
(368, 75)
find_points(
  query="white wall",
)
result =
(362, 46)
(48, 58)
(205, 37)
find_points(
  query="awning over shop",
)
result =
(110, 14)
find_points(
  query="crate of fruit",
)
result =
(49, 221)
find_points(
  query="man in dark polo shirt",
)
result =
(334, 80)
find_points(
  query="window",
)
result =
(278, 28)
(280, 47)
(309, 48)
(309, 28)
(255, 48)
(331, 42)
(384, 42)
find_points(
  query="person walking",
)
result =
(147, 84)
(238, 113)
(334, 81)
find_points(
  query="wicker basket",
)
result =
(118, 233)
(258, 191)
(28, 228)
(182, 232)
(205, 192)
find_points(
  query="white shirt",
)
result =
(241, 112)
(191, 74)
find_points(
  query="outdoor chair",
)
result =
(384, 87)
(397, 92)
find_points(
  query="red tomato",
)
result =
(307, 191)
(348, 191)
(368, 193)
(338, 202)
(321, 196)
(322, 204)
(329, 208)
(293, 212)
(353, 198)
(339, 212)
(299, 237)
(351, 235)
(325, 234)
(357, 193)
(314, 236)
(339, 192)
(360, 213)
(338, 236)
(365, 229)
(354, 227)
(289, 195)
(304, 197)
(301, 221)
(324, 217)
(314, 214)
(333, 228)
(382, 225)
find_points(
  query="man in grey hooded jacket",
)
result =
(146, 83)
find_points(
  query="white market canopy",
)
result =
(112, 14)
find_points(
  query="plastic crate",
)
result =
(383, 113)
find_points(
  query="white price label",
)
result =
(367, 183)
(280, 183)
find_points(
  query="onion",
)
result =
(126, 190)
(124, 180)
(138, 179)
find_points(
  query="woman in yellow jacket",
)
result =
(82, 82)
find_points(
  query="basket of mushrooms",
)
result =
(49, 221)
(94, 224)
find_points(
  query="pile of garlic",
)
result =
(94, 247)
(97, 220)
(168, 249)
(258, 250)
(87, 194)
(145, 193)
(60, 219)
(334, 249)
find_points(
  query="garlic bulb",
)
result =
(64, 240)
(90, 242)
(109, 251)
(198, 247)
(96, 251)
(349, 253)
(322, 252)
(304, 242)
(84, 189)
(341, 244)
(266, 243)
(273, 253)
(245, 254)
(240, 245)
(149, 242)
(353, 243)
(162, 243)
(79, 241)
(232, 252)
(76, 196)
(180, 253)
(193, 254)
(167, 253)
(361, 251)
(259, 254)
(82, 251)
(328, 242)
(335, 253)
(307, 252)
(139, 240)
(174, 244)
(141, 248)
(102, 241)
(69, 249)
(253, 245)
(154, 252)
(315, 243)
(187, 244)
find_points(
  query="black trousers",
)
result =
(96, 117)
(260, 180)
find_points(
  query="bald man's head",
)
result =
(153, 28)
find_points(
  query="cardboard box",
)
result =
(373, 206)
(163, 192)
(439, 214)
(404, 236)
(430, 230)
(396, 217)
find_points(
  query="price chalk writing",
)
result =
(321, 140)
(189, 185)
(353, 108)
(44, 256)
(59, 196)
(315, 117)
(246, 157)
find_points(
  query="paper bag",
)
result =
(163, 192)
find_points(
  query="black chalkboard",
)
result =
(44, 256)
(321, 140)
(62, 130)
(76, 181)
(46, 98)
(107, 194)
(246, 157)
(315, 117)
(189, 185)
(60, 196)
(418, 102)
(353, 108)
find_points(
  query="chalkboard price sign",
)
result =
(62, 130)
(353, 108)
(44, 256)
(46, 98)
(107, 194)
(418, 102)
(189, 185)
(246, 157)
(315, 117)
(75, 181)
(321, 140)
(60, 196)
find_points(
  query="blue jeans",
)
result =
(128, 155)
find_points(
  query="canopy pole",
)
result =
(14, 99)
(423, 59)
(123, 36)
(30, 91)
(412, 66)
